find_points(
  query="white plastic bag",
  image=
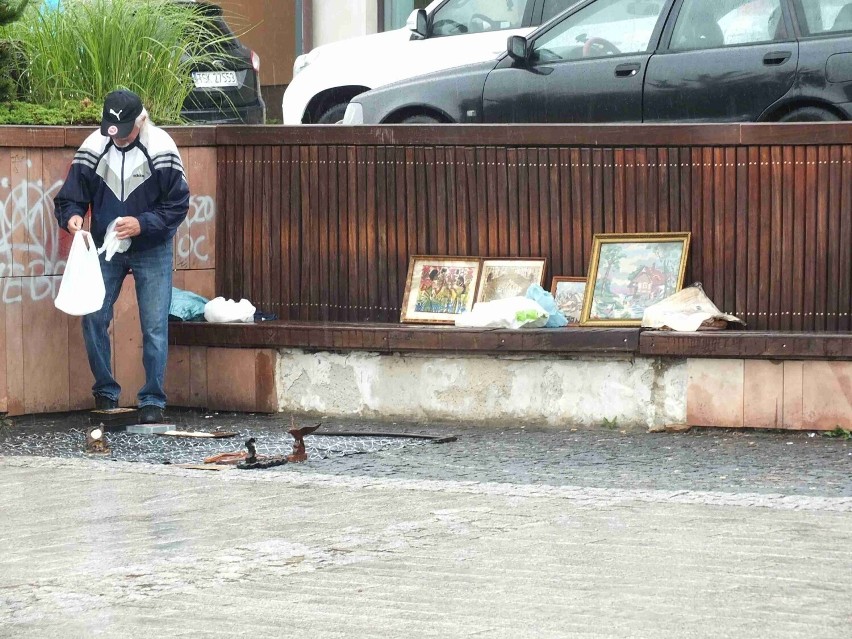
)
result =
(82, 288)
(687, 310)
(221, 310)
(112, 244)
(510, 312)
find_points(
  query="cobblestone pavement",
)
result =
(503, 533)
(788, 463)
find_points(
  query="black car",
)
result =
(227, 91)
(646, 61)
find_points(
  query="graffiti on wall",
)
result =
(202, 209)
(33, 249)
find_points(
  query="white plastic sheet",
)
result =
(510, 312)
(687, 310)
(82, 288)
(219, 310)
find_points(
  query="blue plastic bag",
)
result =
(545, 300)
(187, 306)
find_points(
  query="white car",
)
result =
(447, 34)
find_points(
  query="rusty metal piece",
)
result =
(226, 458)
(95, 442)
(299, 454)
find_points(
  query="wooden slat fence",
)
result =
(318, 223)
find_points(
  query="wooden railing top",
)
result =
(620, 135)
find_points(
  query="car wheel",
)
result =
(420, 118)
(809, 114)
(333, 114)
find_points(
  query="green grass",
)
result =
(839, 433)
(95, 46)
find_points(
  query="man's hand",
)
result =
(127, 227)
(75, 224)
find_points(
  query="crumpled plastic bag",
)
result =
(112, 244)
(687, 310)
(557, 318)
(511, 312)
(221, 310)
(186, 305)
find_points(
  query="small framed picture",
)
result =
(439, 288)
(509, 277)
(631, 271)
(568, 293)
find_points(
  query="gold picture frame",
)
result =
(629, 272)
(568, 293)
(509, 277)
(439, 288)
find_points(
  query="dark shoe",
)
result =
(150, 415)
(102, 402)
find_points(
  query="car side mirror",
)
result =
(516, 47)
(418, 22)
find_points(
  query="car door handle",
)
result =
(774, 58)
(627, 70)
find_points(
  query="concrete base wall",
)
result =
(558, 392)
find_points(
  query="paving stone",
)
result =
(509, 533)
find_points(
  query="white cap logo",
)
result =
(117, 114)
(112, 130)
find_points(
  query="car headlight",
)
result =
(354, 114)
(304, 61)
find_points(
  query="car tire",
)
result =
(809, 114)
(333, 114)
(420, 118)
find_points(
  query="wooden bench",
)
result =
(387, 338)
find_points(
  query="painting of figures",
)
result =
(439, 288)
(509, 277)
(568, 293)
(630, 272)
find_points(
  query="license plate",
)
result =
(205, 79)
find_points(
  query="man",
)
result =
(132, 170)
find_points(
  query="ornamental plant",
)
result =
(77, 51)
(10, 10)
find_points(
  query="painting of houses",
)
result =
(648, 282)
(630, 272)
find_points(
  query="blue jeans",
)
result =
(152, 270)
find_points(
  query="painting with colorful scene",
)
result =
(631, 271)
(439, 288)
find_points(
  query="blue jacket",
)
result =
(145, 180)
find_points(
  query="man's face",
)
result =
(123, 142)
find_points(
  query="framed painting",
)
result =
(629, 272)
(509, 277)
(439, 288)
(568, 293)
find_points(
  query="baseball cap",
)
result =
(121, 108)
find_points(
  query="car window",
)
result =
(704, 25)
(603, 28)
(475, 16)
(553, 8)
(820, 17)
